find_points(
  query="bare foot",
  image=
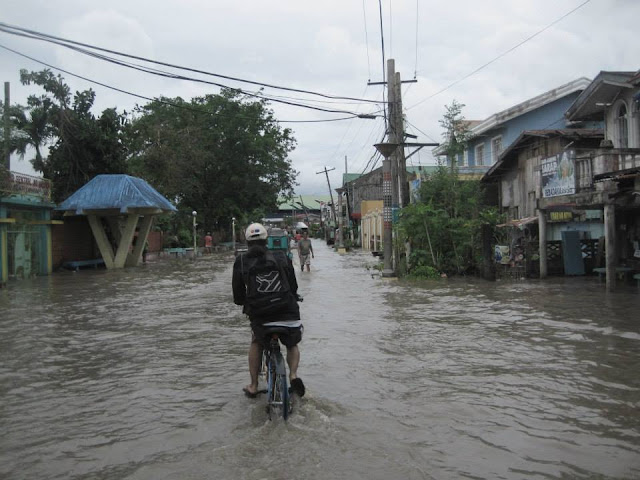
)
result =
(250, 391)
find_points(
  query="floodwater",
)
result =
(138, 374)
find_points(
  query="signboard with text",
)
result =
(558, 174)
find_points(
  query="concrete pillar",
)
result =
(610, 245)
(542, 242)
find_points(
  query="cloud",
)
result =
(335, 47)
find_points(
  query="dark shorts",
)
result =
(289, 336)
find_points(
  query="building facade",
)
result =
(25, 226)
(491, 136)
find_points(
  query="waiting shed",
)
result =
(117, 206)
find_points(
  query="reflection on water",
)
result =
(138, 373)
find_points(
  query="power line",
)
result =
(126, 92)
(501, 55)
(14, 30)
(366, 39)
(415, 68)
(181, 77)
(384, 68)
(425, 134)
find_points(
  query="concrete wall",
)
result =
(73, 241)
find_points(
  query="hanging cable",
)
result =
(384, 68)
(415, 69)
(160, 100)
(501, 55)
(366, 39)
(15, 30)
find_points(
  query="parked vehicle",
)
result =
(278, 239)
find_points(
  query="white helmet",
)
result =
(256, 231)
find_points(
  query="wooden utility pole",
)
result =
(333, 205)
(392, 131)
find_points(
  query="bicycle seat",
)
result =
(268, 331)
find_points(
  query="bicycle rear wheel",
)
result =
(278, 399)
(284, 396)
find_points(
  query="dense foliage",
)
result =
(221, 155)
(83, 145)
(444, 227)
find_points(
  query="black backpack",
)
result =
(268, 291)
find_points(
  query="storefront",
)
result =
(25, 227)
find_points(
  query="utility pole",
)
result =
(333, 205)
(7, 128)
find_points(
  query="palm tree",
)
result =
(32, 130)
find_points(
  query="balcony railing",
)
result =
(603, 161)
(14, 183)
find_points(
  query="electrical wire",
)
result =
(181, 77)
(415, 68)
(425, 134)
(14, 30)
(384, 68)
(160, 100)
(501, 55)
(366, 39)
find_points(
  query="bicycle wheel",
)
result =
(284, 396)
(279, 401)
(272, 388)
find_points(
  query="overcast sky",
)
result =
(332, 47)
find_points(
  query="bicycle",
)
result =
(274, 369)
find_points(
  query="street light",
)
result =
(386, 150)
(194, 213)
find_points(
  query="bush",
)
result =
(424, 271)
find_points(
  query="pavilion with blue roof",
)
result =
(116, 206)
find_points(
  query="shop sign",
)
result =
(560, 216)
(29, 185)
(558, 174)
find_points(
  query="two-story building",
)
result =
(576, 191)
(488, 138)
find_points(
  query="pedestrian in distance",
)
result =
(305, 251)
(208, 242)
(264, 283)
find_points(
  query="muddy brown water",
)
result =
(137, 374)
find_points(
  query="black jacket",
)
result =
(240, 289)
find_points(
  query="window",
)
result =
(621, 125)
(465, 158)
(479, 153)
(496, 148)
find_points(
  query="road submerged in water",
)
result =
(138, 374)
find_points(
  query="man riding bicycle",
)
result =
(287, 314)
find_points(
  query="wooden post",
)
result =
(610, 245)
(542, 242)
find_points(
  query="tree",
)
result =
(444, 227)
(221, 155)
(456, 131)
(83, 145)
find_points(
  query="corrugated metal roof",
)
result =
(309, 201)
(516, 145)
(120, 192)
